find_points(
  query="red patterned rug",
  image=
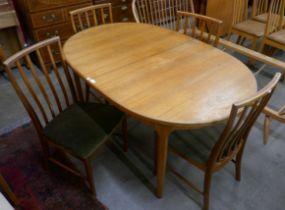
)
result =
(37, 188)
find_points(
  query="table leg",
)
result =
(162, 147)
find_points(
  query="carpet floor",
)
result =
(37, 188)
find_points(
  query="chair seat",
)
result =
(196, 144)
(82, 128)
(278, 36)
(263, 18)
(251, 27)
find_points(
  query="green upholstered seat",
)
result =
(196, 144)
(82, 128)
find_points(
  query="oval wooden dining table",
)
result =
(160, 77)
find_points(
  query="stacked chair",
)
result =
(274, 31)
(244, 27)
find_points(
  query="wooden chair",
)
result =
(274, 32)
(91, 16)
(223, 145)
(160, 12)
(87, 17)
(244, 27)
(7, 190)
(199, 26)
(56, 104)
(261, 10)
(269, 115)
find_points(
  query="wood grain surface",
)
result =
(161, 77)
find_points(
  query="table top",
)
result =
(158, 75)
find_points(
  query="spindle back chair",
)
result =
(229, 145)
(91, 16)
(243, 26)
(160, 12)
(56, 103)
(260, 10)
(199, 26)
(274, 34)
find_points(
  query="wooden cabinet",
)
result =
(11, 38)
(122, 9)
(44, 19)
(223, 10)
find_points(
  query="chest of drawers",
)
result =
(43, 19)
(122, 9)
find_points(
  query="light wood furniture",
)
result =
(271, 114)
(198, 26)
(260, 10)
(122, 9)
(159, 76)
(63, 119)
(245, 27)
(227, 144)
(91, 16)
(7, 190)
(274, 34)
(11, 37)
(45, 19)
(222, 10)
(160, 12)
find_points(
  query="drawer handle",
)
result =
(49, 18)
(124, 7)
(52, 34)
(55, 52)
(125, 19)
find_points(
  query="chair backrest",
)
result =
(91, 16)
(275, 17)
(45, 92)
(198, 26)
(242, 117)
(160, 12)
(240, 11)
(259, 7)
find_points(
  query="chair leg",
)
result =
(89, 174)
(5, 187)
(229, 36)
(261, 48)
(206, 192)
(87, 92)
(242, 41)
(253, 46)
(238, 163)
(239, 39)
(266, 128)
(125, 134)
(155, 151)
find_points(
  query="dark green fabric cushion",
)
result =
(105, 115)
(196, 144)
(82, 128)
